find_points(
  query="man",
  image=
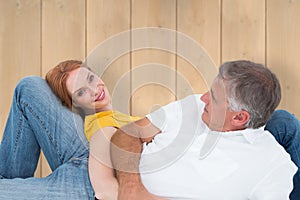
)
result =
(215, 148)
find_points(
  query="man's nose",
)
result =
(205, 97)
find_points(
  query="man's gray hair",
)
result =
(251, 87)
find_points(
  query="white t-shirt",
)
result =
(188, 161)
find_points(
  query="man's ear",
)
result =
(240, 119)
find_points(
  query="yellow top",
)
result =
(99, 120)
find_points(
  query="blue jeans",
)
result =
(38, 121)
(286, 129)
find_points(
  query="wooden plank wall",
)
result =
(148, 67)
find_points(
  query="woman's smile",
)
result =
(101, 96)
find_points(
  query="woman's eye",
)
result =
(91, 78)
(81, 92)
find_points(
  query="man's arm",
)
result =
(126, 148)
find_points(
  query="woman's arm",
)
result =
(100, 168)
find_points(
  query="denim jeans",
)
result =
(38, 121)
(285, 127)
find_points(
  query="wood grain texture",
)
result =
(200, 21)
(243, 30)
(283, 47)
(153, 48)
(63, 32)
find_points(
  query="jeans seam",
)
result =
(45, 128)
(87, 184)
(20, 121)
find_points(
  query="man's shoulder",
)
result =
(270, 147)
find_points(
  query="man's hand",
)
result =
(125, 151)
(136, 192)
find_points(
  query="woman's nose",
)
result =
(98, 88)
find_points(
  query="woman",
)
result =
(84, 92)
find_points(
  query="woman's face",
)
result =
(88, 91)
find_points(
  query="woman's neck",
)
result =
(107, 108)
